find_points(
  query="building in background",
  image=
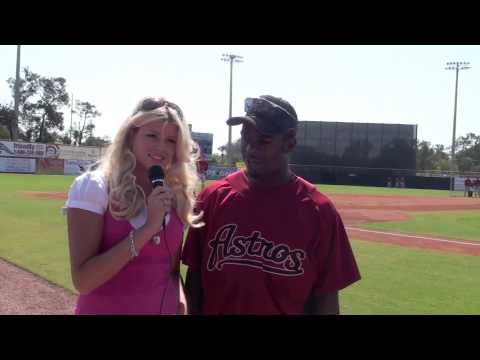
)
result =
(205, 141)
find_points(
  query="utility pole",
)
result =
(230, 58)
(457, 66)
(71, 120)
(14, 126)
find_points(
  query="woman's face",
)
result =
(155, 144)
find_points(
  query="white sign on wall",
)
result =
(218, 172)
(17, 165)
(78, 152)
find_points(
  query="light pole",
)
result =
(14, 126)
(71, 120)
(231, 58)
(457, 66)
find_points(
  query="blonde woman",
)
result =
(122, 259)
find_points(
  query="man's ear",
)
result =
(290, 140)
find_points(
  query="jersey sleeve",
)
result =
(337, 267)
(88, 192)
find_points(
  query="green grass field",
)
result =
(395, 280)
(461, 225)
(399, 280)
(33, 231)
(366, 190)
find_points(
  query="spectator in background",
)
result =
(389, 182)
(202, 168)
(397, 182)
(468, 186)
(476, 184)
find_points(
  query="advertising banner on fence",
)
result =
(51, 166)
(22, 149)
(217, 172)
(17, 165)
(68, 152)
(76, 167)
(52, 151)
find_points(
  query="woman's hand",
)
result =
(159, 203)
(182, 303)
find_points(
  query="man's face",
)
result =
(263, 154)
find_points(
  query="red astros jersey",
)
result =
(267, 251)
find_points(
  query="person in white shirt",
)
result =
(124, 260)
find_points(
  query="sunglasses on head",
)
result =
(150, 104)
(258, 106)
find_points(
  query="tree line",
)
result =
(436, 157)
(41, 119)
(40, 113)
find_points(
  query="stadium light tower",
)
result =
(457, 66)
(230, 58)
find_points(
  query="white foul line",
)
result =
(413, 236)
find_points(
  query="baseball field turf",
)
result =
(395, 279)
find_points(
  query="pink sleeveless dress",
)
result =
(148, 284)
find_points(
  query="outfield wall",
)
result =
(16, 165)
(358, 176)
(54, 159)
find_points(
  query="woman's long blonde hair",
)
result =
(126, 197)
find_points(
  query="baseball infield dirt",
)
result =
(23, 293)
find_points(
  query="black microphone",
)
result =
(156, 176)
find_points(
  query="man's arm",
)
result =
(325, 304)
(193, 288)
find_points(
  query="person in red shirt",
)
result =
(468, 185)
(202, 167)
(272, 243)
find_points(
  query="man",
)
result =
(468, 185)
(272, 243)
(202, 168)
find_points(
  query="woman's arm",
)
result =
(182, 306)
(89, 270)
(85, 228)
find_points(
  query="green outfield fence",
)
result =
(364, 176)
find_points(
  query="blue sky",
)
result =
(374, 83)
